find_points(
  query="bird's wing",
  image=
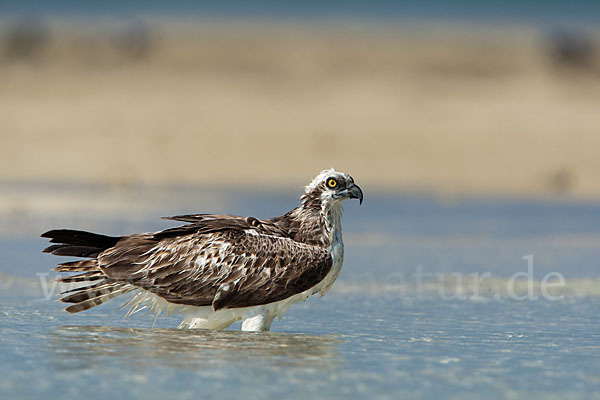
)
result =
(225, 268)
(198, 217)
(216, 222)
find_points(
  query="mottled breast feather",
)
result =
(226, 262)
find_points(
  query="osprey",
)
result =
(216, 269)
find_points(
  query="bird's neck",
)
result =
(334, 222)
(313, 223)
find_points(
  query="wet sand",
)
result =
(442, 109)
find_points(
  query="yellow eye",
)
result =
(331, 183)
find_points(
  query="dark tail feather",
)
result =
(78, 243)
(87, 292)
(85, 277)
(73, 250)
(92, 296)
(99, 288)
(78, 266)
(86, 297)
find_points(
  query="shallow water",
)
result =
(399, 321)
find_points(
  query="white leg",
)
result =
(203, 319)
(203, 323)
(256, 321)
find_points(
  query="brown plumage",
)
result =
(216, 261)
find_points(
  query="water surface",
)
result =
(404, 317)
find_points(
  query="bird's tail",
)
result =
(95, 287)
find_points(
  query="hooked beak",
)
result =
(355, 193)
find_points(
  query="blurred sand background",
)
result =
(448, 109)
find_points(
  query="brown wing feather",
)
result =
(206, 223)
(198, 217)
(225, 268)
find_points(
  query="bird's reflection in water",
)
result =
(88, 346)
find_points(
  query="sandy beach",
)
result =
(442, 109)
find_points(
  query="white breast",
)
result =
(336, 249)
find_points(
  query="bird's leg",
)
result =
(200, 319)
(257, 321)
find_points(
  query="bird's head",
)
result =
(330, 188)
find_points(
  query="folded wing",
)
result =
(225, 268)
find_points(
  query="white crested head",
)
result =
(319, 179)
(330, 188)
